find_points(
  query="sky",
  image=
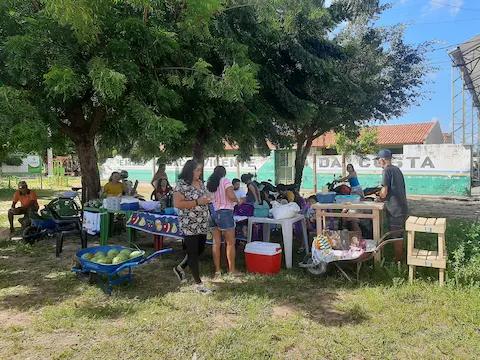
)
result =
(447, 23)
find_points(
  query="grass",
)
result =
(47, 312)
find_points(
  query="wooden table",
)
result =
(375, 210)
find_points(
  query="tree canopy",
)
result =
(172, 78)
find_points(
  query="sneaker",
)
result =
(200, 288)
(180, 274)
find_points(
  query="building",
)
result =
(430, 166)
(392, 137)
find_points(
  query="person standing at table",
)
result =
(224, 200)
(239, 193)
(253, 194)
(191, 200)
(394, 195)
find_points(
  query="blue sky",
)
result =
(447, 22)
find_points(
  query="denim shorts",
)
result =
(223, 219)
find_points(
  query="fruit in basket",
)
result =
(108, 260)
(119, 259)
(142, 222)
(100, 254)
(101, 261)
(88, 256)
(125, 252)
(174, 228)
(112, 253)
(135, 254)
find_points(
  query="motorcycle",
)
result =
(341, 188)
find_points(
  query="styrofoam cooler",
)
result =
(263, 257)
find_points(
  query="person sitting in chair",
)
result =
(28, 203)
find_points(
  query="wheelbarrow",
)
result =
(115, 274)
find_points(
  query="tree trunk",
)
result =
(198, 152)
(301, 153)
(87, 156)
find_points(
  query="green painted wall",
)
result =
(267, 171)
(415, 184)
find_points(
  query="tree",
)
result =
(21, 129)
(97, 70)
(318, 74)
(360, 144)
(206, 92)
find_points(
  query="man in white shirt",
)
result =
(240, 193)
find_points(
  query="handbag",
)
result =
(244, 210)
(261, 210)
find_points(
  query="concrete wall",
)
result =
(442, 169)
(32, 164)
(435, 136)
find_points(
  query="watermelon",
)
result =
(135, 254)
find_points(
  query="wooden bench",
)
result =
(426, 258)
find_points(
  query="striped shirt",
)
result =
(220, 199)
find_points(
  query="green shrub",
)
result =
(463, 244)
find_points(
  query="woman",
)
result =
(114, 187)
(253, 194)
(163, 192)
(190, 198)
(353, 180)
(224, 199)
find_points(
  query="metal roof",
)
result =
(466, 57)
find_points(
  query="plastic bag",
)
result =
(285, 211)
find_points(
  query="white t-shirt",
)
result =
(240, 193)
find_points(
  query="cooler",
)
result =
(263, 257)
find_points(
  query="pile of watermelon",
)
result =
(112, 257)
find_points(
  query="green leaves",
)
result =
(108, 84)
(21, 128)
(63, 83)
(84, 17)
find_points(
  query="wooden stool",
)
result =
(426, 258)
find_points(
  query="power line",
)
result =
(442, 22)
(445, 3)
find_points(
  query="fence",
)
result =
(39, 181)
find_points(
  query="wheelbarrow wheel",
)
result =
(30, 234)
(318, 269)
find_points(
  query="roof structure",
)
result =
(388, 135)
(467, 58)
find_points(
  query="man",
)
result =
(240, 193)
(28, 202)
(127, 184)
(394, 195)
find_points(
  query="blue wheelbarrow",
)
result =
(115, 274)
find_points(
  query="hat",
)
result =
(384, 154)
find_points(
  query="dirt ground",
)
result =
(458, 208)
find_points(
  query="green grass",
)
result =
(47, 312)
